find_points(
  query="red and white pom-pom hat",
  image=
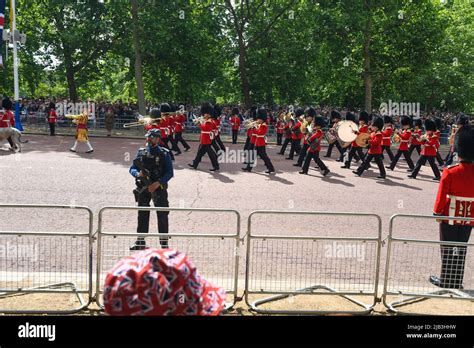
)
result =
(160, 282)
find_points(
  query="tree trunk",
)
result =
(367, 72)
(71, 81)
(243, 73)
(138, 59)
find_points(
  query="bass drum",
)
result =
(345, 131)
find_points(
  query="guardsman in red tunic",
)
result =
(179, 120)
(363, 128)
(235, 124)
(259, 135)
(207, 134)
(387, 137)
(335, 119)
(430, 141)
(7, 118)
(415, 136)
(310, 114)
(375, 150)
(296, 134)
(314, 142)
(455, 198)
(217, 142)
(404, 136)
(280, 127)
(288, 135)
(52, 118)
(439, 126)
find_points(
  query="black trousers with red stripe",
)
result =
(453, 257)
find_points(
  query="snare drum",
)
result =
(345, 131)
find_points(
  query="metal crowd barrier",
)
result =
(295, 265)
(46, 262)
(215, 255)
(410, 263)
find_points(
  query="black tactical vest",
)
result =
(155, 163)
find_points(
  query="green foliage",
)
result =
(304, 52)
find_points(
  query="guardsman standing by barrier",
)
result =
(152, 169)
(455, 198)
(52, 118)
(235, 123)
(207, 134)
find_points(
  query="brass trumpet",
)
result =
(143, 120)
(250, 124)
(198, 120)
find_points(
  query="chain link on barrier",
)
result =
(46, 262)
(215, 255)
(292, 265)
(411, 263)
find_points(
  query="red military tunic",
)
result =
(280, 126)
(317, 136)
(52, 116)
(438, 134)
(295, 129)
(235, 122)
(207, 132)
(259, 135)
(429, 146)
(416, 133)
(178, 123)
(163, 126)
(287, 129)
(363, 129)
(456, 193)
(387, 136)
(7, 119)
(375, 143)
(405, 136)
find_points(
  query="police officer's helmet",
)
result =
(153, 133)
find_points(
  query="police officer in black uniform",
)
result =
(152, 169)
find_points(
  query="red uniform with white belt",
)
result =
(235, 122)
(207, 132)
(258, 143)
(7, 119)
(405, 136)
(428, 153)
(387, 136)
(375, 152)
(455, 198)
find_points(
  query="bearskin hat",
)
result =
(378, 122)
(165, 107)
(364, 116)
(7, 103)
(262, 114)
(388, 119)
(52, 106)
(350, 117)
(217, 111)
(299, 112)
(206, 108)
(155, 113)
(418, 123)
(406, 121)
(319, 121)
(438, 123)
(462, 120)
(335, 114)
(253, 112)
(430, 125)
(310, 112)
(464, 143)
(235, 111)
